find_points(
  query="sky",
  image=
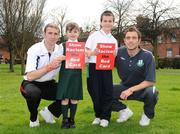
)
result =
(80, 11)
(83, 11)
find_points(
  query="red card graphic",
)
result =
(75, 55)
(105, 57)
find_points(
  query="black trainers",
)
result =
(65, 123)
(71, 123)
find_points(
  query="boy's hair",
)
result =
(107, 13)
(133, 29)
(72, 25)
(52, 25)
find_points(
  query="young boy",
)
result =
(99, 82)
(70, 82)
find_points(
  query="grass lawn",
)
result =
(14, 117)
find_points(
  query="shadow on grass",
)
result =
(174, 89)
(87, 110)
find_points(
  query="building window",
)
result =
(146, 42)
(169, 52)
(173, 37)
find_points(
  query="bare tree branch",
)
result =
(21, 20)
(59, 15)
(121, 10)
(152, 22)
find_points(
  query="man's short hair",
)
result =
(133, 29)
(72, 25)
(107, 13)
(51, 25)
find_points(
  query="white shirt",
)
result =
(72, 40)
(38, 57)
(99, 37)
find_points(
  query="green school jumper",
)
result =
(70, 82)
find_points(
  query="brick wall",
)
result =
(162, 49)
(5, 53)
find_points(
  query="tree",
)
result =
(89, 25)
(152, 21)
(59, 15)
(21, 20)
(30, 25)
(9, 20)
(121, 10)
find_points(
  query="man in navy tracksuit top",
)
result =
(136, 68)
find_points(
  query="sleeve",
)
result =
(150, 69)
(89, 42)
(32, 59)
(116, 47)
(61, 49)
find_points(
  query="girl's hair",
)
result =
(72, 25)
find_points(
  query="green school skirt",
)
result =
(70, 84)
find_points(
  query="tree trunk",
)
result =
(155, 52)
(11, 60)
(120, 37)
(62, 39)
(22, 65)
(119, 42)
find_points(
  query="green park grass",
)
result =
(14, 117)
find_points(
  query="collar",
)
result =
(140, 49)
(108, 35)
(44, 49)
(72, 41)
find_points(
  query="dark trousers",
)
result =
(33, 92)
(148, 95)
(100, 88)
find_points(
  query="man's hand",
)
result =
(125, 94)
(55, 63)
(36, 74)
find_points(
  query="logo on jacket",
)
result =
(140, 63)
(122, 58)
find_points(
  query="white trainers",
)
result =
(145, 121)
(124, 115)
(96, 121)
(104, 123)
(47, 116)
(34, 124)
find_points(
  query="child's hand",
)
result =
(55, 63)
(89, 52)
(60, 58)
(96, 51)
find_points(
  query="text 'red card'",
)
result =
(105, 58)
(75, 55)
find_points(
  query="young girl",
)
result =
(99, 82)
(70, 83)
